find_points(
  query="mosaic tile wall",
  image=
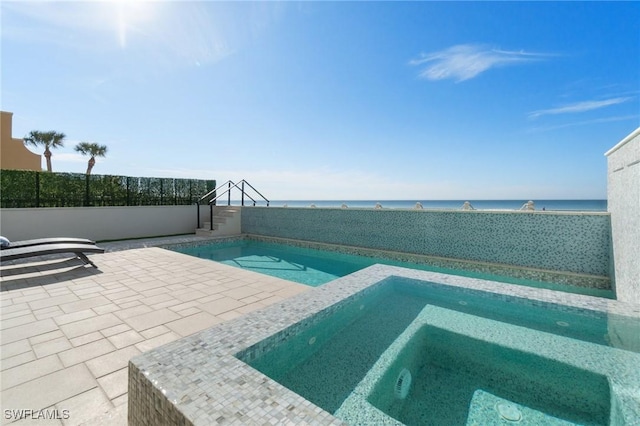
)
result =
(569, 242)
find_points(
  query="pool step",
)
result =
(226, 221)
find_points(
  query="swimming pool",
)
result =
(315, 265)
(543, 363)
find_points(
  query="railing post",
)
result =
(197, 215)
(229, 194)
(210, 217)
(242, 199)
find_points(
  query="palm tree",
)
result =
(92, 149)
(48, 139)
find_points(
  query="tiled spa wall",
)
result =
(561, 241)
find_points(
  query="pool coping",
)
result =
(198, 379)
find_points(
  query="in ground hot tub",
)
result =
(413, 352)
(380, 345)
(453, 368)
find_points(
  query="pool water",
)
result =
(470, 353)
(315, 267)
(305, 266)
(454, 371)
(325, 363)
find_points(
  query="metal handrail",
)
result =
(240, 186)
(257, 192)
(230, 185)
(228, 192)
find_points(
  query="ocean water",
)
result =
(547, 205)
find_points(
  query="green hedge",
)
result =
(25, 188)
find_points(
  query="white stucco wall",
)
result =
(98, 223)
(623, 200)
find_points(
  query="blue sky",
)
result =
(333, 100)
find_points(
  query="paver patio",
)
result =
(67, 331)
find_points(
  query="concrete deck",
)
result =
(67, 330)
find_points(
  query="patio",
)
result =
(68, 331)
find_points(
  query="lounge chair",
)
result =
(43, 241)
(40, 250)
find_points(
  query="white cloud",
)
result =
(588, 122)
(466, 61)
(579, 107)
(165, 31)
(70, 24)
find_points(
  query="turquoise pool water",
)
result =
(305, 266)
(475, 358)
(315, 267)
(458, 378)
